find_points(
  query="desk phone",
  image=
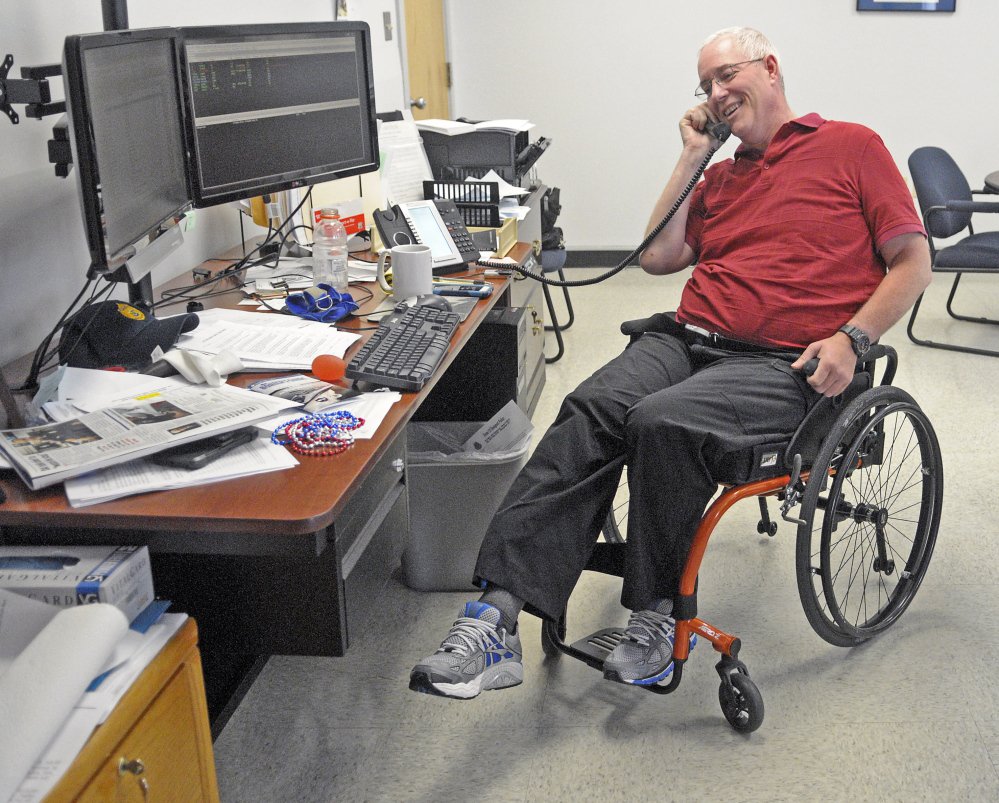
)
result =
(437, 224)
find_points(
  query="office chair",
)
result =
(947, 206)
(552, 260)
(866, 470)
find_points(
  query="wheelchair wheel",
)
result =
(870, 514)
(616, 524)
(741, 703)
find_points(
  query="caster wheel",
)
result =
(767, 529)
(742, 704)
(552, 633)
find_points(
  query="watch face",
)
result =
(858, 337)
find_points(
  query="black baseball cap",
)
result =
(113, 333)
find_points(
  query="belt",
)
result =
(695, 336)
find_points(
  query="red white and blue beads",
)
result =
(319, 434)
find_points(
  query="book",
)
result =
(65, 576)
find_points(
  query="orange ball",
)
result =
(329, 368)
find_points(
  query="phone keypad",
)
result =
(461, 237)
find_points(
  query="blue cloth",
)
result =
(331, 306)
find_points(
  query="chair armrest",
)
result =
(971, 206)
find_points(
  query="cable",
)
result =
(641, 247)
(42, 353)
(181, 294)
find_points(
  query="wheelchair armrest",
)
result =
(660, 322)
(877, 352)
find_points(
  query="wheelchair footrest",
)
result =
(600, 644)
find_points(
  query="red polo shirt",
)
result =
(783, 239)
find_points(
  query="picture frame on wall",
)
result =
(891, 5)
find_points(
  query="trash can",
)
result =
(452, 497)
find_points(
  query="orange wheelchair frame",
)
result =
(875, 479)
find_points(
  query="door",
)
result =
(426, 56)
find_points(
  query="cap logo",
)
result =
(128, 311)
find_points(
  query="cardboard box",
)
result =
(76, 575)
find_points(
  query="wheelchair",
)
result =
(865, 469)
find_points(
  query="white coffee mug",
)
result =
(412, 271)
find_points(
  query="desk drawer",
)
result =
(369, 502)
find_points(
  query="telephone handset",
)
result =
(720, 130)
(437, 224)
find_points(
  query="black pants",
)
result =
(671, 416)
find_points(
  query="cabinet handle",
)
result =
(135, 766)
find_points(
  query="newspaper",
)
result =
(50, 453)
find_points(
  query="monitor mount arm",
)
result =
(32, 89)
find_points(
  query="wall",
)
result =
(609, 82)
(43, 254)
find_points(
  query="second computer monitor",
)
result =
(274, 107)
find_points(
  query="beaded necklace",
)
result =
(319, 434)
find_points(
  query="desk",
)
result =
(280, 563)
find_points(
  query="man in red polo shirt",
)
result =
(807, 241)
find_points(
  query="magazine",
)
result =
(314, 395)
(50, 453)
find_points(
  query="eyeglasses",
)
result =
(721, 77)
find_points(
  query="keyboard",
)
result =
(406, 349)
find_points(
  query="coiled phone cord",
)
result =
(720, 132)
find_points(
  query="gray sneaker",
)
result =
(645, 656)
(477, 655)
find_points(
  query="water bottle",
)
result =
(329, 251)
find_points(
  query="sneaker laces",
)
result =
(643, 626)
(467, 635)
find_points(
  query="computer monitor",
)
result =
(273, 107)
(124, 98)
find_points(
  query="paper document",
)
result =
(143, 476)
(506, 189)
(404, 165)
(262, 347)
(135, 427)
(372, 407)
(457, 127)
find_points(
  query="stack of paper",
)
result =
(141, 476)
(453, 127)
(266, 342)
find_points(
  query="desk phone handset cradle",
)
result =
(719, 132)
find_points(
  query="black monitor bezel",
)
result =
(291, 180)
(84, 146)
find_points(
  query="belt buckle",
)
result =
(703, 333)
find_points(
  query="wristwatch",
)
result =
(858, 339)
